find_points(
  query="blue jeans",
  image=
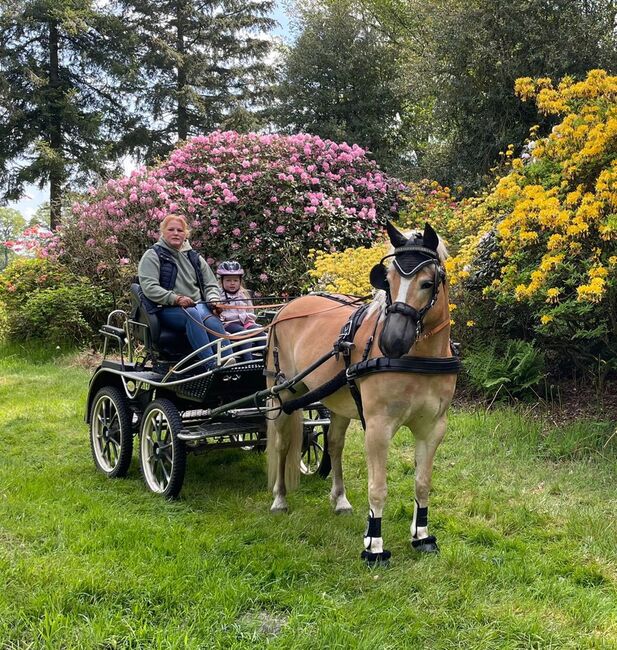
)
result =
(235, 328)
(188, 320)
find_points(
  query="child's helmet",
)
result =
(229, 267)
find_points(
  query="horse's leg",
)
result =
(376, 443)
(283, 450)
(336, 442)
(425, 452)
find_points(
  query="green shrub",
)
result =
(44, 300)
(516, 372)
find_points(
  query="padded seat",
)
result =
(166, 344)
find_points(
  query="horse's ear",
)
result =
(379, 277)
(430, 237)
(397, 239)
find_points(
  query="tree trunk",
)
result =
(181, 79)
(56, 169)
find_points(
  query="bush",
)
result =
(546, 247)
(265, 200)
(43, 300)
(516, 372)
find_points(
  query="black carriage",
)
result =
(155, 389)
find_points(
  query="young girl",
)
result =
(235, 295)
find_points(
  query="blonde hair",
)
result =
(175, 217)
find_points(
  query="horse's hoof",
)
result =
(343, 511)
(374, 559)
(425, 545)
(279, 508)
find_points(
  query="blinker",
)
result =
(379, 277)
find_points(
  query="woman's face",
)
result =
(174, 234)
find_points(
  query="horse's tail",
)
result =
(282, 431)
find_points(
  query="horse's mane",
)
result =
(379, 301)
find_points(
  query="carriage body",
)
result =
(152, 388)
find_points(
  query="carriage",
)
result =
(151, 386)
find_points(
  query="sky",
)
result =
(34, 196)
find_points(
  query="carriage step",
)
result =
(218, 429)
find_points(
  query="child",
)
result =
(235, 295)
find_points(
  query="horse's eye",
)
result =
(427, 284)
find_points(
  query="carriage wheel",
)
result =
(315, 457)
(111, 435)
(162, 456)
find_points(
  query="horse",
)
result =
(403, 346)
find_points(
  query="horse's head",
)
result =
(411, 284)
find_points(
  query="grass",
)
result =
(525, 518)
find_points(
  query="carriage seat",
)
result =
(165, 343)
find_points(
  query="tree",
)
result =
(12, 223)
(203, 66)
(340, 81)
(59, 101)
(464, 57)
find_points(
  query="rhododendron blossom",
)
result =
(232, 187)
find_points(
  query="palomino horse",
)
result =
(408, 317)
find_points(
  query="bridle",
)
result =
(379, 280)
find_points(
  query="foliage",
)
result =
(34, 241)
(548, 243)
(43, 300)
(515, 372)
(61, 115)
(12, 223)
(348, 271)
(341, 80)
(463, 59)
(425, 201)
(263, 199)
(199, 67)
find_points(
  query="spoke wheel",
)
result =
(111, 435)
(315, 457)
(162, 456)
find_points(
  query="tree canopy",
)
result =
(341, 80)
(59, 99)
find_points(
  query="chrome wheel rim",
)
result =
(313, 455)
(106, 433)
(157, 452)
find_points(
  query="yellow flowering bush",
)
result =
(546, 244)
(348, 271)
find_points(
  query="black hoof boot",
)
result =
(374, 559)
(425, 545)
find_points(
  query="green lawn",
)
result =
(525, 519)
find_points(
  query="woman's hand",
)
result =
(185, 301)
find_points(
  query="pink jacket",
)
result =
(231, 315)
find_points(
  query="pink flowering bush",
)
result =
(34, 241)
(265, 200)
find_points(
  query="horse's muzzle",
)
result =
(399, 331)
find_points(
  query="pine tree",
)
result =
(60, 109)
(203, 66)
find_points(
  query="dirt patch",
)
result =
(568, 401)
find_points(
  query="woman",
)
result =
(182, 286)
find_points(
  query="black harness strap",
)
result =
(417, 365)
(338, 381)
